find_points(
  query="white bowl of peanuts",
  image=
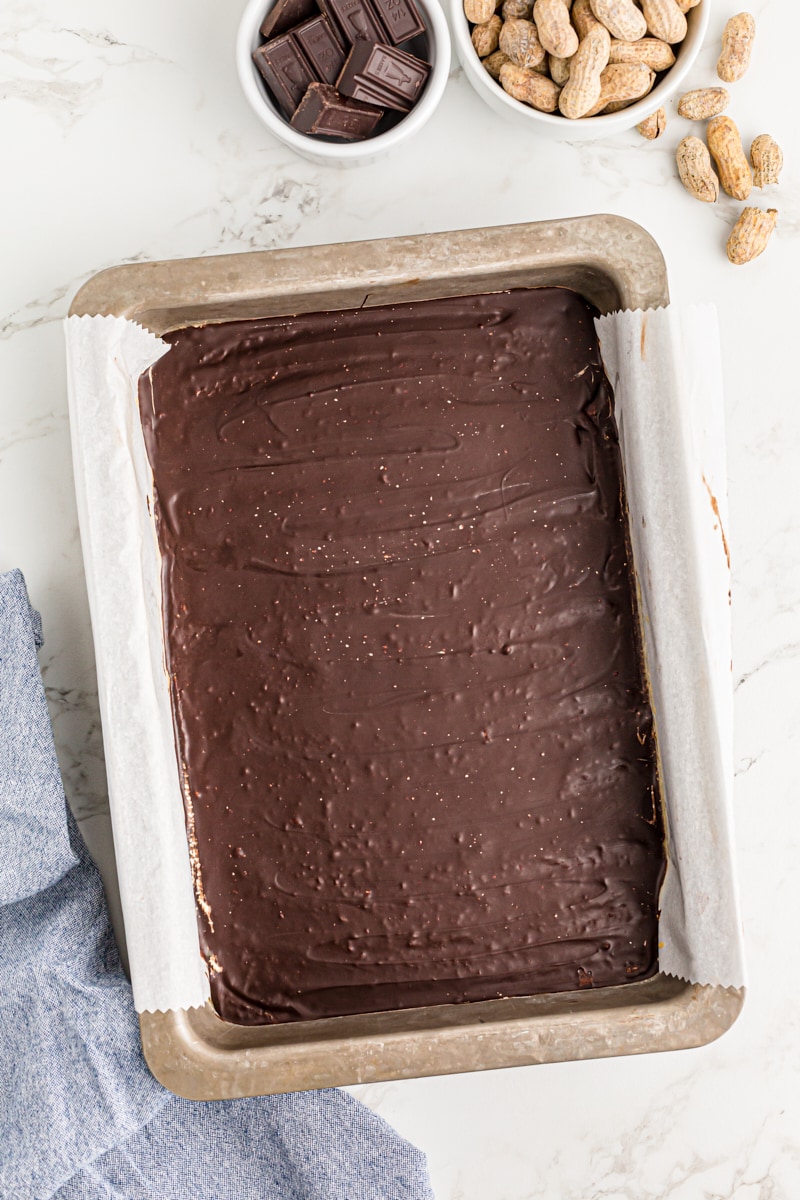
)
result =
(578, 69)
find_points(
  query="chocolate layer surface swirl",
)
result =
(408, 699)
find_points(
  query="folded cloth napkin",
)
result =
(81, 1115)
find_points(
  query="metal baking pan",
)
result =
(614, 264)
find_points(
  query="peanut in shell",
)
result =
(478, 12)
(582, 90)
(703, 103)
(529, 87)
(583, 18)
(737, 46)
(731, 162)
(516, 10)
(620, 85)
(654, 53)
(493, 63)
(766, 157)
(485, 38)
(555, 30)
(750, 234)
(695, 170)
(558, 68)
(621, 18)
(520, 41)
(665, 20)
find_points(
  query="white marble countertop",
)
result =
(124, 137)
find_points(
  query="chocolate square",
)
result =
(325, 112)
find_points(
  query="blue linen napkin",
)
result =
(81, 1115)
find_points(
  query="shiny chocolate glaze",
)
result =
(408, 697)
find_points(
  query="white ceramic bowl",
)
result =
(585, 128)
(345, 153)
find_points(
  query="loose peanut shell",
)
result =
(654, 53)
(582, 90)
(703, 103)
(519, 40)
(767, 159)
(529, 87)
(750, 234)
(621, 18)
(620, 85)
(725, 145)
(485, 38)
(695, 170)
(479, 11)
(737, 46)
(555, 28)
(653, 126)
(665, 20)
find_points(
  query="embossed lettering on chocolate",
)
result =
(418, 752)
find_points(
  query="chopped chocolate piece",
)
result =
(400, 19)
(383, 75)
(286, 71)
(322, 46)
(355, 19)
(285, 14)
(324, 111)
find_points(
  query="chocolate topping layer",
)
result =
(408, 696)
